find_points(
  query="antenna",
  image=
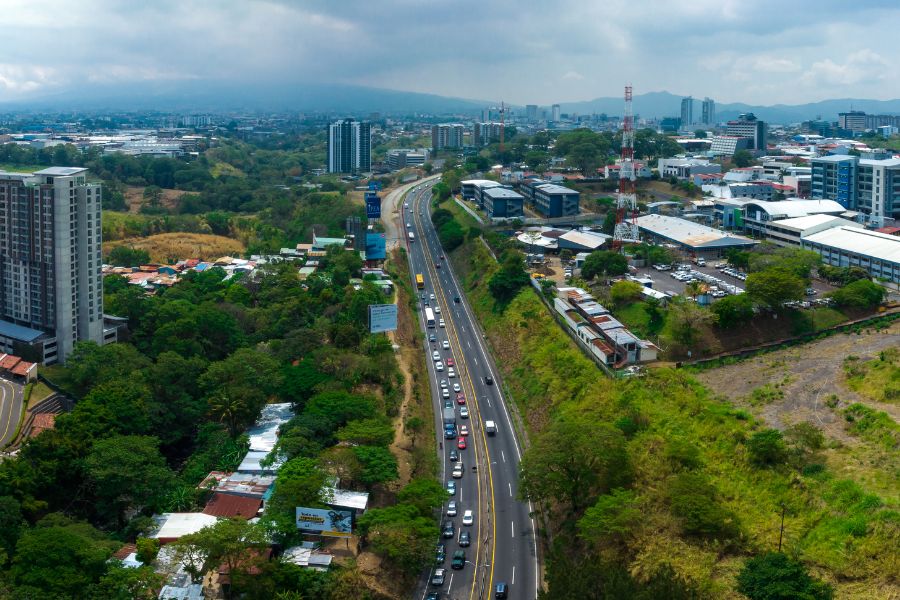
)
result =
(626, 229)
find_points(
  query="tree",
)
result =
(694, 500)
(237, 388)
(509, 279)
(400, 534)
(700, 134)
(300, 482)
(742, 158)
(11, 525)
(732, 311)
(147, 549)
(774, 576)
(377, 431)
(687, 322)
(738, 258)
(379, 465)
(414, 425)
(574, 459)
(862, 293)
(775, 286)
(613, 515)
(128, 583)
(61, 558)
(623, 293)
(424, 493)
(767, 448)
(602, 262)
(126, 472)
(128, 256)
(341, 462)
(796, 260)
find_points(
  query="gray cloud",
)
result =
(764, 51)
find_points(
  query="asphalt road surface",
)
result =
(10, 410)
(503, 542)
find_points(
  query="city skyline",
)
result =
(761, 52)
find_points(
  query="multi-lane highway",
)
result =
(10, 410)
(502, 547)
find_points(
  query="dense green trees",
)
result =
(510, 278)
(862, 293)
(602, 262)
(732, 311)
(775, 286)
(774, 576)
(126, 256)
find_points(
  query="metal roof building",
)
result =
(878, 253)
(579, 241)
(689, 235)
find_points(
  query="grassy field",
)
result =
(877, 378)
(134, 198)
(165, 247)
(39, 392)
(842, 516)
(21, 168)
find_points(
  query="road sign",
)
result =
(373, 205)
(382, 317)
(376, 246)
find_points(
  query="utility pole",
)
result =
(781, 532)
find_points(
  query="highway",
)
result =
(502, 536)
(10, 410)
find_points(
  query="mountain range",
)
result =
(213, 96)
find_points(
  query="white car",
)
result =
(456, 388)
(431, 296)
(439, 366)
(445, 345)
(463, 412)
(437, 309)
(450, 371)
(441, 323)
(468, 517)
(457, 471)
(451, 508)
(435, 356)
(443, 383)
(445, 393)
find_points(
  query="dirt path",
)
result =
(805, 380)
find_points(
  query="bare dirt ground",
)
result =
(809, 376)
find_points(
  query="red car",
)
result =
(450, 362)
(461, 443)
(460, 398)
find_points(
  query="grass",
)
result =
(221, 169)
(636, 318)
(39, 392)
(815, 319)
(873, 425)
(21, 168)
(167, 246)
(766, 394)
(877, 379)
(834, 523)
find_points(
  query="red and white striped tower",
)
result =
(626, 230)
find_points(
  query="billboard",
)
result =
(375, 246)
(382, 317)
(325, 521)
(373, 205)
(375, 185)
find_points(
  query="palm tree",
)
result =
(695, 288)
(226, 409)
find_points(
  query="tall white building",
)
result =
(555, 113)
(448, 135)
(687, 112)
(51, 289)
(349, 147)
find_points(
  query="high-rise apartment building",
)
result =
(687, 111)
(708, 112)
(51, 289)
(485, 133)
(449, 135)
(531, 112)
(870, 186)
(854, 121)
(748, 126)
(349, 147)
(556, 113)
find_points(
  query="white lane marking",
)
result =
(512, 525)
(450, 585)
(511, 581)
(489, 401)
(510, 489)
(469, 344)
(476, 360)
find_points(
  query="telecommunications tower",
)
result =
(626, 230)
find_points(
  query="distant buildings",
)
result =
(708, 112)
(866, 185)
(447, 136)
(555, 113)
(486, 133)
(51, 292)
(686, 168)
(349, 147)
(854, 121)
(728, 145)
(531, 113)
(402, 158)
(748, 126)
(687, 111)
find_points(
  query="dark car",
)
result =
(464, 539)
(454, 455)
(431, 338)
(449, 433)
(433, 596)
(459, 560)
(449, 531)
(489, 380)
(456, 299)
(440, 554)
(461, 398)
(500, 590)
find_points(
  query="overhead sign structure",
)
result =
(325, 521)
(382, 317)
(373, 205)
(374, 185)
(376, 248)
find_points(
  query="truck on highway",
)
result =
(449, 416)
(490, 427)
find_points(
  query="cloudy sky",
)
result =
(523, 51)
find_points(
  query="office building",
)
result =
(670, 124)
(834, 178)
(449, 135)
(877, 253)
(748, 126)
(727, 145)
(686, 168)
(402, 158)
(870, 186)
(503, 203)
(687, 111)
(708, 112)
(486, 133)
(854, 121)
(349, 147)
(531, 113)
(556, 114)
(551, 200)
(51, 289)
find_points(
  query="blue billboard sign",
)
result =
(375, 246)
(325, 521)
(373, 205)
(375, 186)
(382, 317)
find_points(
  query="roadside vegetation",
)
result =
(154, 416)
(655, 487)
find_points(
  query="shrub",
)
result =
(774, 576)
(694, 500)
(767, 448)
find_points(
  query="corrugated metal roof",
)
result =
(860, 241)
(18, 332)
(230, 505)
(690, 233)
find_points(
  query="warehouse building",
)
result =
(791, 232)
(877, 253)
(691, 237)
